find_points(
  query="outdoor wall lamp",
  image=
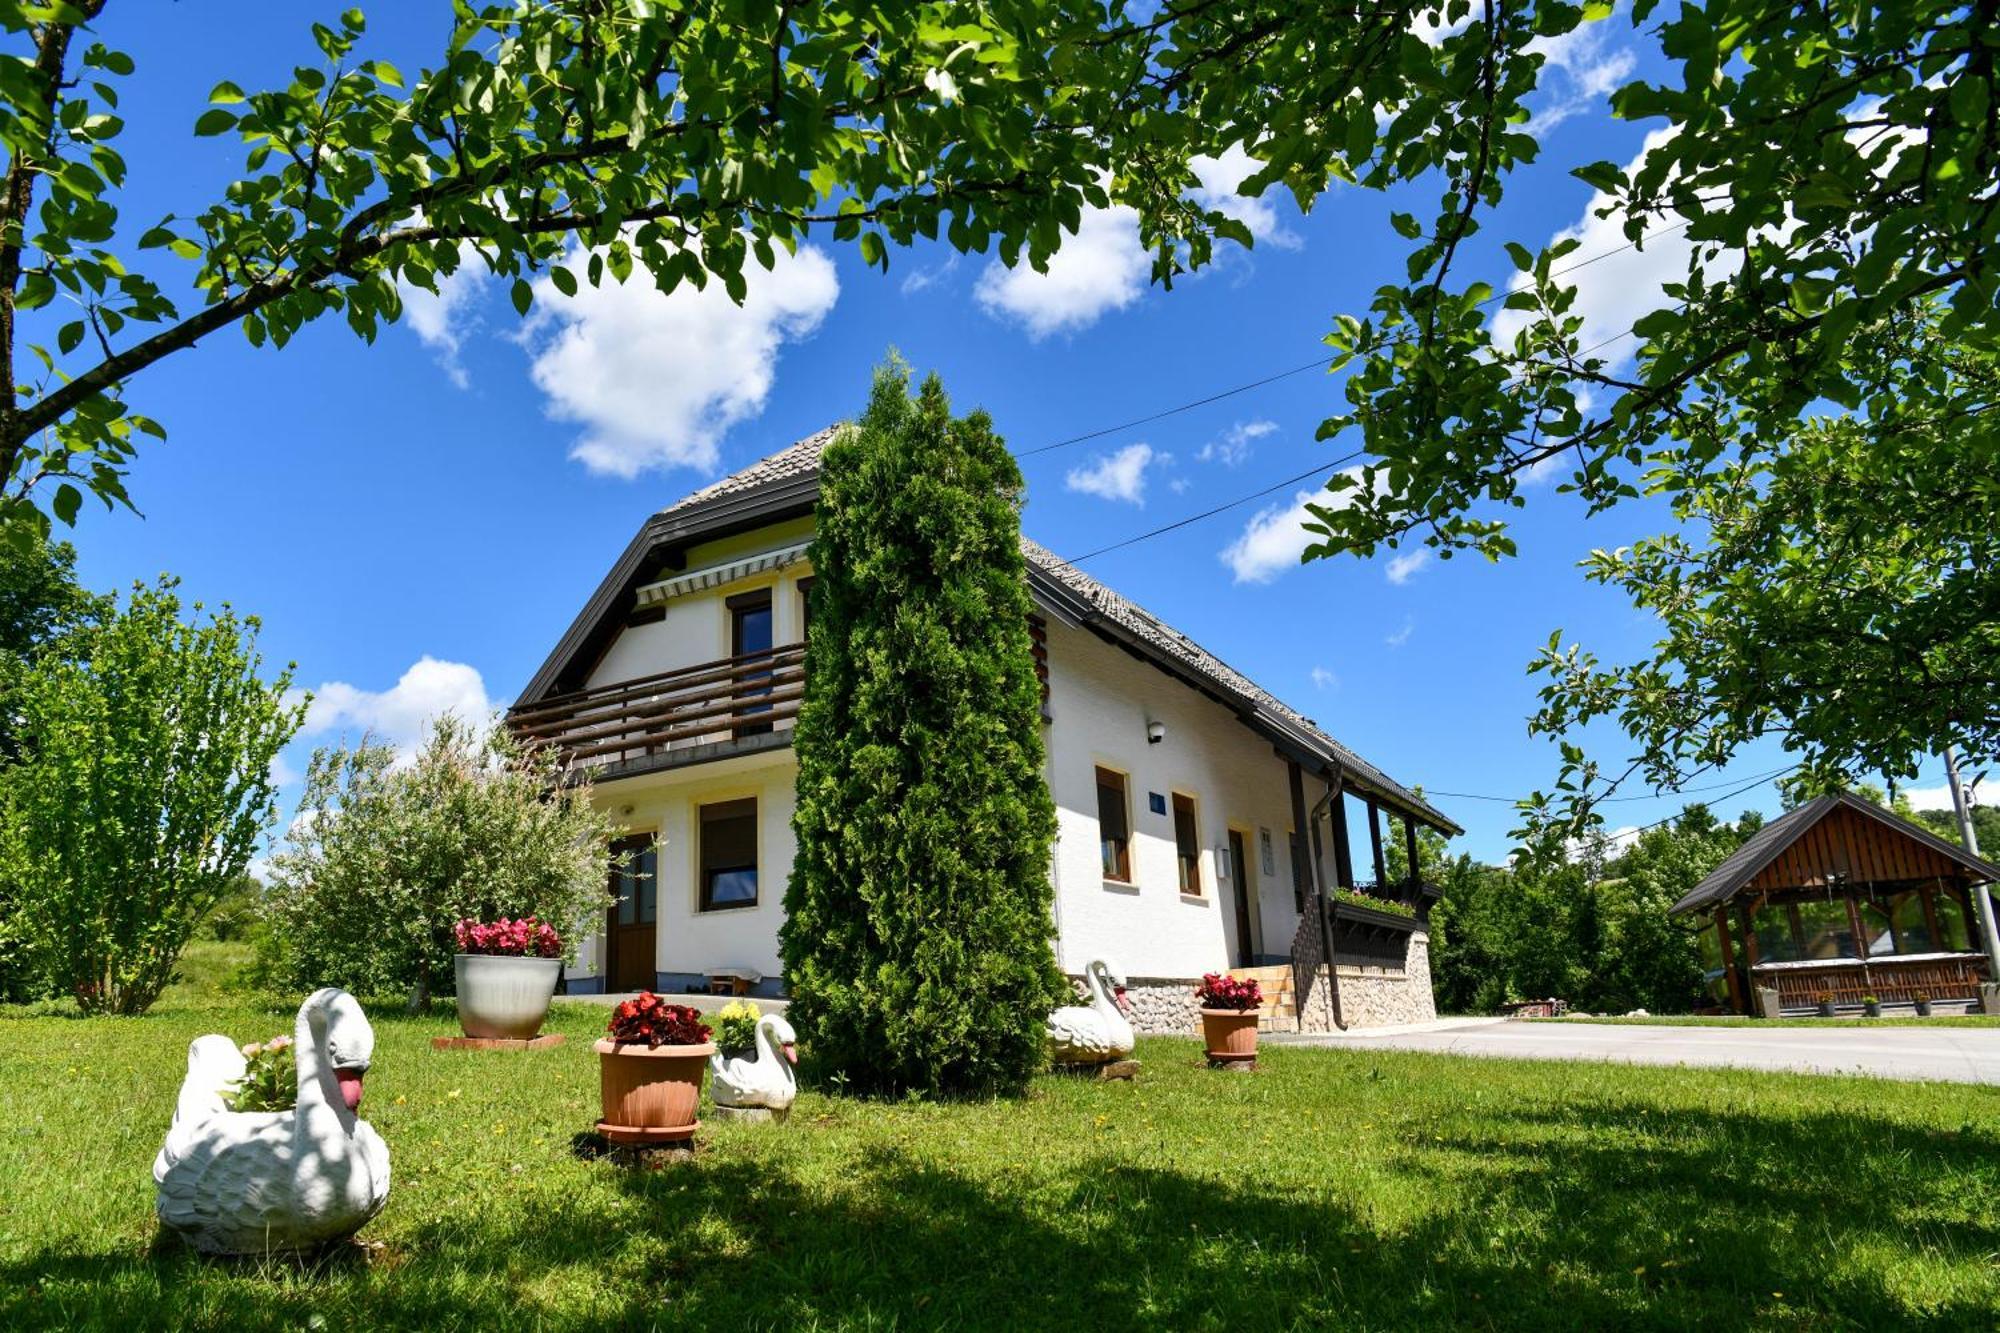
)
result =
(1155, 732)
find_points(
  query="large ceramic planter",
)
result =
(502, 997)
(1230, 1035)
(650, 1094)
(1826, 1008)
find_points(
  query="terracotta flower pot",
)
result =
(650, 1093)
(1230, 1035)
(504, 996)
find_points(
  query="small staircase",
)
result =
(1279, 1011)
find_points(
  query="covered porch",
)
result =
(1840, 902)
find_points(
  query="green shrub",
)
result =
(918, 914)
(384, 860)
(140, 791)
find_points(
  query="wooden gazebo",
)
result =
(1841, 897)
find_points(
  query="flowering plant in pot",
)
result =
(507, 972)
(1871, 1006)
(1923, 1003)
(270, 1079)
(650, 1067)
(1825, 999)
(1229, 1018)
(736, 1028)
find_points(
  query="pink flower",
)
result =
(524, 938)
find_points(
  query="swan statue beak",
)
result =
(791, 1051)
(1124, 1005)
(350, 1085)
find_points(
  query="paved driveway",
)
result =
(1954, 1054)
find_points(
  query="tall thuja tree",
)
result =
(143, 786)
(916, 939)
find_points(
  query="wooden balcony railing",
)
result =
(737, 697)
(1889, 978)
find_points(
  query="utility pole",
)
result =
(1988, 935)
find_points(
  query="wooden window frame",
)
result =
(1187, 867)
(703, 883)
(1124, 785)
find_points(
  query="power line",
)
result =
(1210, 513)
(1606, 800)
(1317, 362)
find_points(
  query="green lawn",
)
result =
(1330, 1189)
(1844, 1020)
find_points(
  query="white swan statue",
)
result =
(1096, 1033)
(765, 1078)
(253, 1182)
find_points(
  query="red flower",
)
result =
(649, 1019)
(1222, 992)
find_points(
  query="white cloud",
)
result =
(1580, 69)
(923, 279)
(1401, 636)
(398, 715)
(1234, 446)
(1102, 268)
(441, 319)
(1323, 679)
(1623, 286)
(1221, 178)
(1402, 567)
(1929, 798)
(656, 379)
(1431, 26)
(1272, 541)
(1120, 475)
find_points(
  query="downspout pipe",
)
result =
(1334, 787)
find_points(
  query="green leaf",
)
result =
(214, 122)
(69, 337)
(524, 296)
(225, 93)
(564, 280)
(68, 499)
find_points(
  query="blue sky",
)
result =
(416, 521)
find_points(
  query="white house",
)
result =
(1180, 786)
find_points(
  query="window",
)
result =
(805, 609)
(1913, 928)
(1952, 932)
(1114, 826)
(1824, 928)
(1775, 941)
(728, 852)
(1187, 844)
(1877, 924)
(750, 632)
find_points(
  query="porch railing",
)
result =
(730, 699)
(1889, 979)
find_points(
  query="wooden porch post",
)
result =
(1343, 851)
(1735, 983)
(1375, 844)
(1303, 838)
(1410, 849)
(1860, 940)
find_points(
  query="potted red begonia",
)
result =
(507, 973)
(650, 1068)
(1229, 1011)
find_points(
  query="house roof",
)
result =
(785, 484)
(1769, 842)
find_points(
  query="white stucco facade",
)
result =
(1101, 700)
(1108, 708)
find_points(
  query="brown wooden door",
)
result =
(1240, 882)
(632, 923)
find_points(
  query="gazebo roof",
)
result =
(1767, 844)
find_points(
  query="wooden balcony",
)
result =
(672, 718)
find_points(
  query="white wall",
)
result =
(687, 939)
(1101, 699)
